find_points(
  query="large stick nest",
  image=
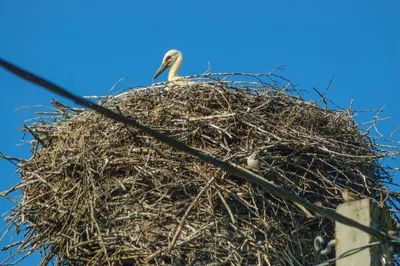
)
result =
(97, 192)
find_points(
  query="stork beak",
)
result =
(160, 70)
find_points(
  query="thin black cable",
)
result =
(353, 251)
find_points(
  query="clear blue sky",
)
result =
(86, 46)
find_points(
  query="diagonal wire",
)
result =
(241, 173)
(353, 251)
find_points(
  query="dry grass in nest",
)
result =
(97, 192)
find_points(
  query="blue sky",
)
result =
(86, 46)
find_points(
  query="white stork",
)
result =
(174, 60)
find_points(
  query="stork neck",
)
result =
(174, 71)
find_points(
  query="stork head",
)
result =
(171, 58)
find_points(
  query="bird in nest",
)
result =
(173, 59)
(253, 161)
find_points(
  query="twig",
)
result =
(11, 159)
(183, 220)
(329, 85)
(33, 134)
(322, 98)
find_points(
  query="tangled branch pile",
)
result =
(97, 192)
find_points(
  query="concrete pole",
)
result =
(366, 212)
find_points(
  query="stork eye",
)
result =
(168, 58)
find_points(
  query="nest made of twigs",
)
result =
(98, 192)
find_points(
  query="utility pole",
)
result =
(367, 212)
